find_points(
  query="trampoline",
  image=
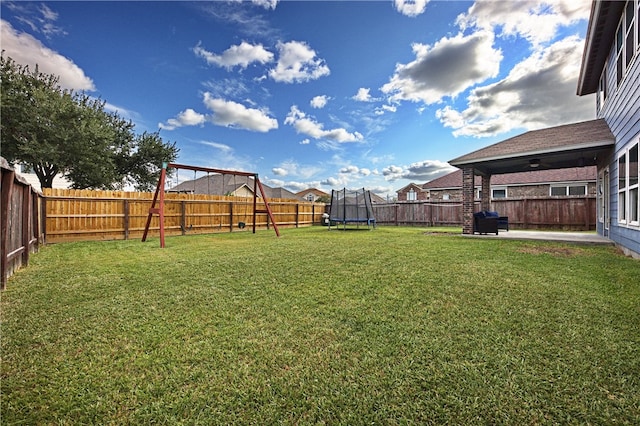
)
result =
(351, 206)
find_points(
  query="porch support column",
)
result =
(468, 195)
(485, 201)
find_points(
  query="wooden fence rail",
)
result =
(565, 213)
(107, 215)
(22, 217)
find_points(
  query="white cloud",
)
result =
(227, 87)
(297, 63)
(240, 55)
(538, 92)
(446, 68)
(363, 95)
(188, 117)
(393, 172)
(219, 146)
(293, 168)
(332, 182)
(232, 114)
(309, 127)
(537, 21)
(27, 50)
(350, 170)
(319, 101)
(305, 141)
(267, 4)
(420, 171)
(411, 7)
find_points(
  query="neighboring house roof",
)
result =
(313, 191)
(553, 147)
(605, 16)
(281, 193)
(407, 187)
(216, 184)
(376, 199)
(575, 174)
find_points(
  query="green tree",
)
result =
(60, 131)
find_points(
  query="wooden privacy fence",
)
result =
(74, 215)
(22, 218)
(565, 213)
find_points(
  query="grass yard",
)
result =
(391, 326)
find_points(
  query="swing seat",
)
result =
(241, 225)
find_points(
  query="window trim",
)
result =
(499, 188)
(625, 211)
(624, 59)
(567, 189)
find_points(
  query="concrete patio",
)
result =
(568, 237)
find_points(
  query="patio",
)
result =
(568, 237)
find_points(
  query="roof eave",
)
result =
(461, 162)
(603, 24)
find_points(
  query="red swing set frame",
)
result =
(157, 206)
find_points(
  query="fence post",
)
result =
(26, 222)
(297, 214)
(7, 187)
(125, 208)
(183, 216)
(35, 202)
(231, 216)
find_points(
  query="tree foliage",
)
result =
(61, 131)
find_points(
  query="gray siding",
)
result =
(621, 110)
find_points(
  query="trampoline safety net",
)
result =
(351, 206)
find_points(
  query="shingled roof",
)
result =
(569, 145)
(216, 184)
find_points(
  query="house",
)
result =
(59, 181)
(312, 195)
(229, 185)
(575, 181)
(412, 192)
(610, 69)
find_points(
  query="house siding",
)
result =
(622, 112)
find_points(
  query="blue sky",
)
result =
(323, 94)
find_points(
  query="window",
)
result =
(628, 186)
(602, 90)
(310, 197)
(630, 36)
(564, 190)
(412, 195)
(627, 38)
(499, 193)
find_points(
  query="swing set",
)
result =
(157, 206)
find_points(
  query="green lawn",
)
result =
(390, 326)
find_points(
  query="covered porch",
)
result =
(583, 144)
